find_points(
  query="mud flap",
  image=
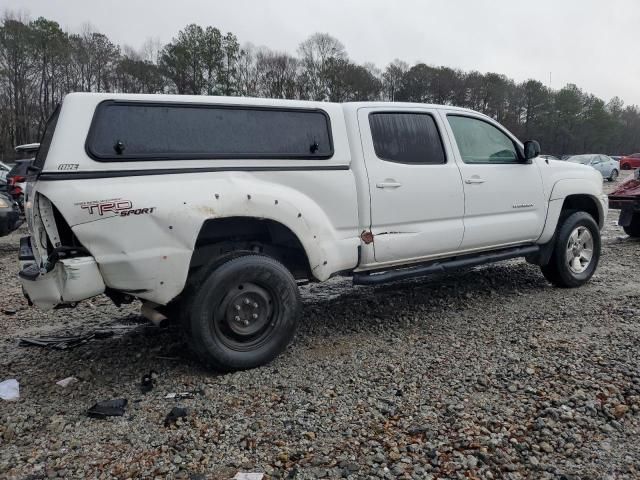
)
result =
(626, 216)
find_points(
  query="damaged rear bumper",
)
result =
(69, 281)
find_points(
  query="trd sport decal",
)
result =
(115, 207)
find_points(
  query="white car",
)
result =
(607, 166)
(213, 207)
(4, 170)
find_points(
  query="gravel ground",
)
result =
(491, 373)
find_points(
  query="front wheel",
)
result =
(614, 175)
(633, 229)
(576, 252)
(243, 314)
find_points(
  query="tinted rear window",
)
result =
(406, 138)
(136, 131)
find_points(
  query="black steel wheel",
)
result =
(243, 313)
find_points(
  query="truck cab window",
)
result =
(480, 142)
(407, 138)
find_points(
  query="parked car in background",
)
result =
(4, 188)
(17, 179)
(626, 198)
(617, 158)
(548, 157)
(629, 162)
(9, 215)
(609, 168)
(17, 176)
(4, 170)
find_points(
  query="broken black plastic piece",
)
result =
(174, 414)
(30, 272)
(108, 408)
(147, 383)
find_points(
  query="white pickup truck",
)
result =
(215, 208)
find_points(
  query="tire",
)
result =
(571, 228)
(242, 313)
(614, 175)
(633, 229)
(625, 166)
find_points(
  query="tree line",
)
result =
(40, 63)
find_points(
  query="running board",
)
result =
(366, 278)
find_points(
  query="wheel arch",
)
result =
(572, 194)
(219, 237)
(586, 203)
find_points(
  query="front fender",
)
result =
(565, 188)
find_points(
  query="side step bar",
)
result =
(367, 278)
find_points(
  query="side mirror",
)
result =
(531, 149)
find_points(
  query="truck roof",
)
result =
(96, 97)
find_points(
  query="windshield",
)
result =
(584, 159)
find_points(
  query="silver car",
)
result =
(607, 166)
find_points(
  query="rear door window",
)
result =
(403, 137)
(160, 131)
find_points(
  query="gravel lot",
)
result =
(491, 373)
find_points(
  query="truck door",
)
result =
(504, 195)
(417, 198)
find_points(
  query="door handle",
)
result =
(388, 185)
(471, 180)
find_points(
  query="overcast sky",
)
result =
(593, 43)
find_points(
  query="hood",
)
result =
(566, 170)
(554, 171)
(565, 166)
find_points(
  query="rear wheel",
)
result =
(614, 175)
(633, 229)
(243, 314)
(576, 251)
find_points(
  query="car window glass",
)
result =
(161, 131)
(406, 138)
(480, 142)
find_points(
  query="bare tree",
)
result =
(316, 55)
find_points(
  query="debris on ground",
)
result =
(10, 390)
(179, 395)
(108, 408)
(65, 342)
(175, 414)
(248, 476)
(148, 381)
(65, 382)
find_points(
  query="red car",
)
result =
(630, 161)
(626, 198)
